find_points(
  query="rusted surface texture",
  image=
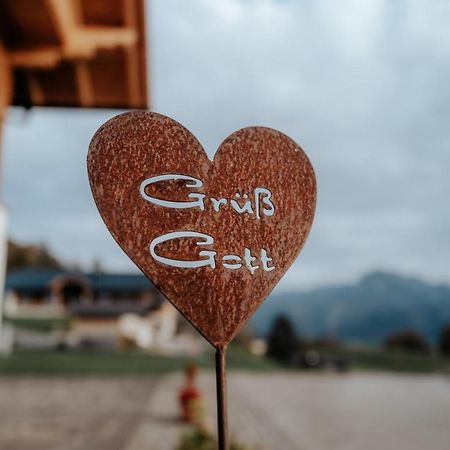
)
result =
(134, 147)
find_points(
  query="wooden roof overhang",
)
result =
(78, 53)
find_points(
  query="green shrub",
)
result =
(408, 341)
(200, 439)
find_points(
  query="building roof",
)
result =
(39, 279)
(127, 282)
(103, 311)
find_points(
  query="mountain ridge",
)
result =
(368, 311)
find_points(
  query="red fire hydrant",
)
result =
(190, 397)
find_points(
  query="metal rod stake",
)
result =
(221, 386)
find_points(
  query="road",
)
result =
(289, 411)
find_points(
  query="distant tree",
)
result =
(407, 340)
(444, 341)
(282, 342)
(22, 256)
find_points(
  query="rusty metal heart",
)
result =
(214, 236)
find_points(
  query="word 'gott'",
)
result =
(262, 204)
(232, 262)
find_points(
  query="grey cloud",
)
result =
(362, 86)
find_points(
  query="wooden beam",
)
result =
(6, 87)
(64, 17)
(80, 41)
(143, 53)
(36, 91)
(86, 41)
(6, 94)
(84, 82)
(36, 58)
(132, 56)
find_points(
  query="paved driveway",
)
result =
(274, 411)
(70, 413)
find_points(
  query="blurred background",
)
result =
(352, 349)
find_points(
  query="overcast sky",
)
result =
(362, 86)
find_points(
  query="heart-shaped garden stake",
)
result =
(214, 236)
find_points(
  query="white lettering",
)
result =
(207, 240)
(234, 266)
(249, 258)
(217, 203)
(261, 203)
(242, 209)
(198, 203)
(208, 257)
(266, 200)
(265, 259)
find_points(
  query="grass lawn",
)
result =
(76, 362)
(396, 361)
